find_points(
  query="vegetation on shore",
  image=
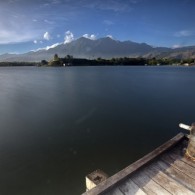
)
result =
(19, 64)
(125, 61)
(71, 61)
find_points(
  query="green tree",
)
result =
(44, 62)
(56, 61)
(56, 58)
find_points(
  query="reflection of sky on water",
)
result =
(59, 124)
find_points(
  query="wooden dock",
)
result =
(163, 171)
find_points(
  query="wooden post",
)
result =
(190, 151)
(95, 178)
(186, 127)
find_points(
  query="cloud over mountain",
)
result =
(87, 47)
(47, 36)
(104, 47)
(92, 37)
(69, 37)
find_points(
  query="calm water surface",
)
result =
(59, 124)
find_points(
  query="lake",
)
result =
(59, 124)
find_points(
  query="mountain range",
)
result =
(101, 48)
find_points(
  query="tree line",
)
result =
(19, 64)
(69, 60)
(125, 61)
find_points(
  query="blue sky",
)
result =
(32, 24)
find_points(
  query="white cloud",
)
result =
(176, 46)
(56, 2)
(52, 46)
(8, 36)
(48, 21)
(69, 37)
(112, 5)
(15, 27)
(110, 36)
(92, 37)
(47, 36)
(108, 22)
(35, 41)
(183, 33)
(48, 47)
(45, 5)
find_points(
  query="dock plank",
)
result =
(148, 185)
(130, 188)
(177, 175)
(167, 182)
(180, 165)
(115, 191)
(180, 155)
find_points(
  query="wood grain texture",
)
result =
(149, 186)
(115, 191)
(167, 182)
(179, 154)
(180, 165)
(177, 175)
(130, 188)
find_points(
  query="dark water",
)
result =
(59, 124)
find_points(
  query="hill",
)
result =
(101, 48)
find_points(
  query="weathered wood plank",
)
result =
(148, 185)
(184, 160)
(177, 154)
(177, 175)
(180, 165)
(122, 175)
(130, 188)
(115, 191)
(168, 183)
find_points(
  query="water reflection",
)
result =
(59, 124)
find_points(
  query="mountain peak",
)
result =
(105, 47)
(84, 39)
(106, 38)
